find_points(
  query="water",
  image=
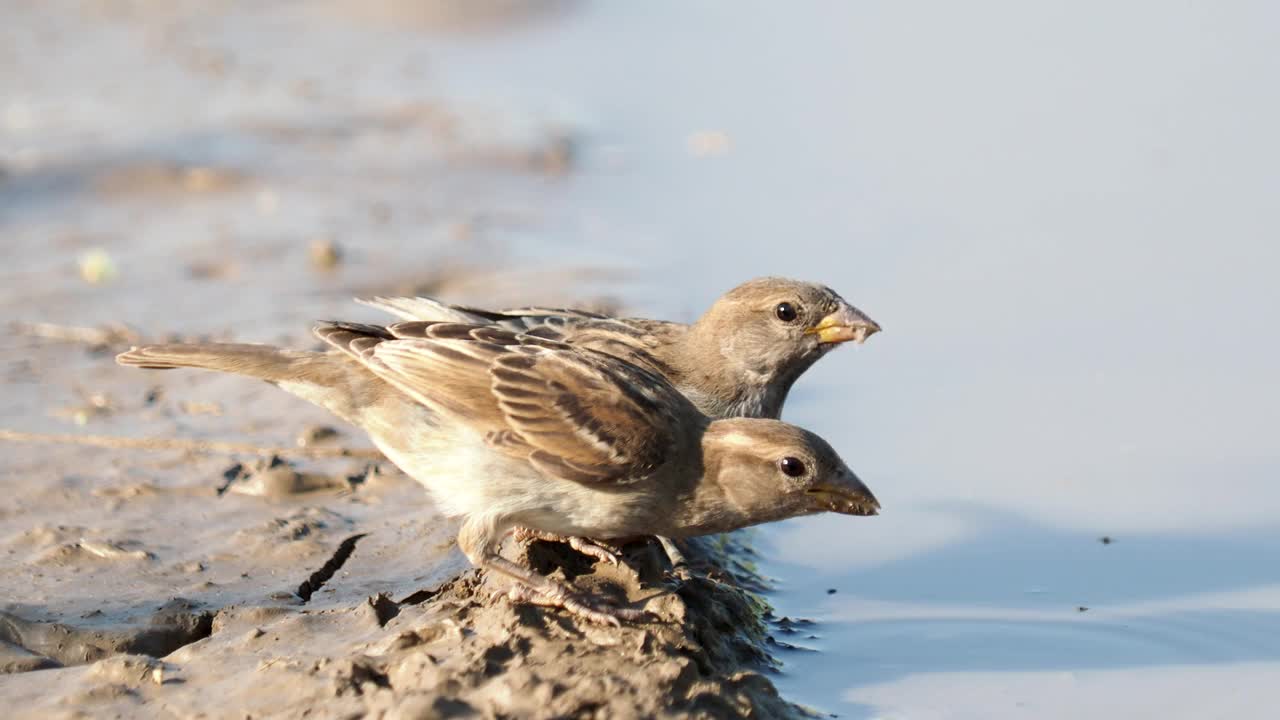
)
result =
(1064, 217)
(1062, 214)
(1015, 600)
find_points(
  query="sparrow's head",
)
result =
(770, 470)
(778, 327)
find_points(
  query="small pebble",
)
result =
(96, 266)
(325, 254)
(207, 179)
(314, 434)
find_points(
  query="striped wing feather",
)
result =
(636, 340)
(575, 414)
(587, 417)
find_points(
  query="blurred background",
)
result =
(1063, 214)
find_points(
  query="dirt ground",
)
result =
(136, 588)
(236, 194)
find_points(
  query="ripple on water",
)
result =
(879, 633)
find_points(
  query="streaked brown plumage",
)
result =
(510, 429)
(739, 359)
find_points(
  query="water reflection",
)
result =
(999, 594)
(988, 556)
(1237, 690)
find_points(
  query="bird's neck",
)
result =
(705, 509)
(722, 385)
(720, 498)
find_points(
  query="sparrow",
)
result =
(509, 429)
(739, 359)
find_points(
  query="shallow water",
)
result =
(1064, 217)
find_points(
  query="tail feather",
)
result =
(260, 361)
(328, 379)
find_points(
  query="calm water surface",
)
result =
(1064, 216)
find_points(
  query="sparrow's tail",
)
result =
(329, 380)
(260, 361)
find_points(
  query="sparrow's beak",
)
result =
(845, 324)
(846, 495)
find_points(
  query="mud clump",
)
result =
(175, 624)
(472, 652)
(460, 649)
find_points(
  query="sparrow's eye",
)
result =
(786, 312)
(791, 467)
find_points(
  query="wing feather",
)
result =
(573, 413)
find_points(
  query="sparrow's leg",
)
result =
(679, 565)
(593, 548)
(605, 551)
(540, 590)
(478, 539)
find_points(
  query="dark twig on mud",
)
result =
(199, 446)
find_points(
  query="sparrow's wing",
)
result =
(444, 366)
(588, 417)
(636, 340)
(432, 310)
(575, 414)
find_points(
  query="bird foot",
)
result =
(591, 548)
(595, 549)
(558, 596)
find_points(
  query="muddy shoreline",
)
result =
(348, 640)
(240, 193)
(218, 582)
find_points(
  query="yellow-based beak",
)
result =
(847, 323)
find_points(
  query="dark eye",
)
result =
(791, 467)
(786, 312)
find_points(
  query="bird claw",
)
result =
(587, 547)
(595, 550)
(559, 597)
